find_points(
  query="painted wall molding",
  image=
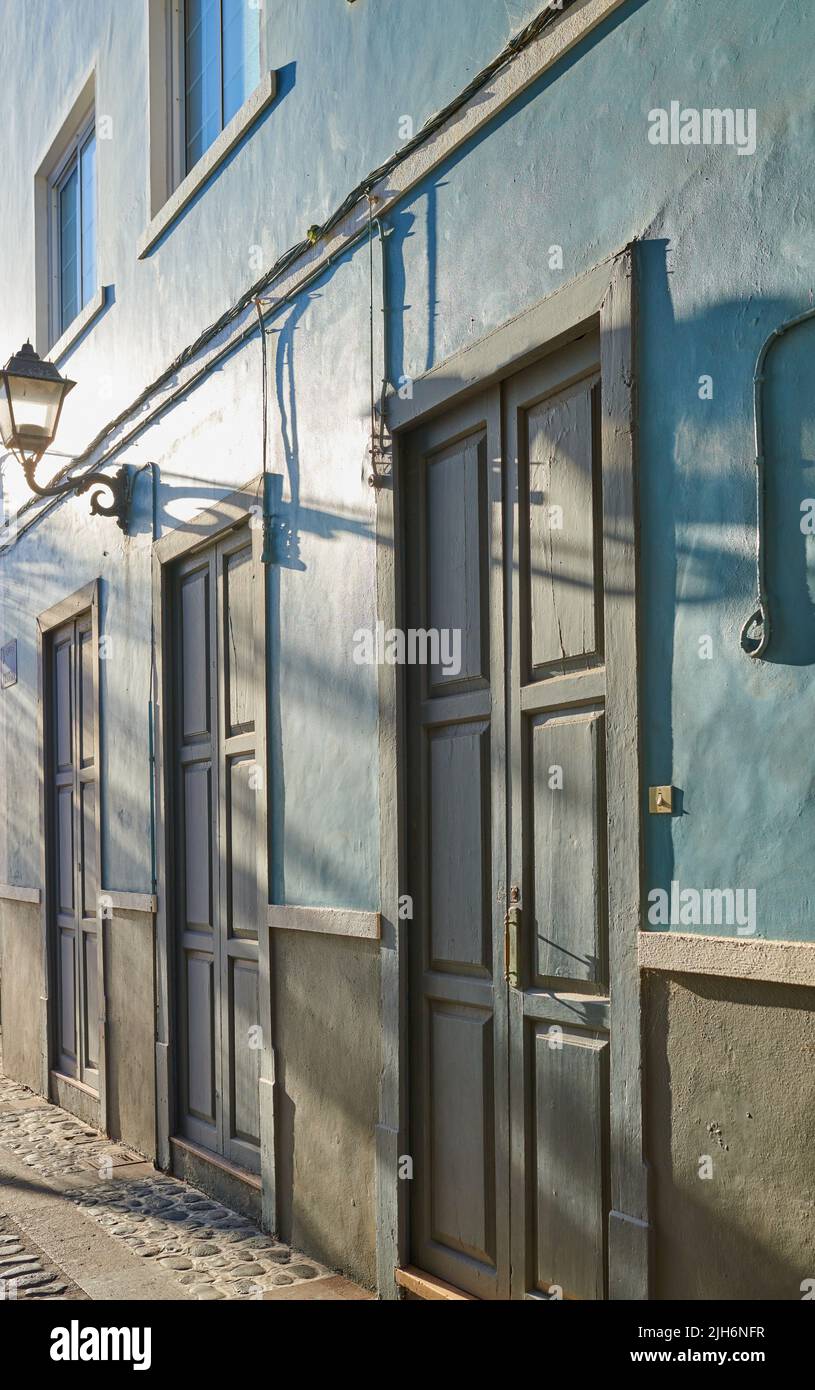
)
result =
(330, 920)
(736, 958)
(131, 902)
(16, 893)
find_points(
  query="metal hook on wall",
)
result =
(756, 631)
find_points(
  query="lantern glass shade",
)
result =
(31, 396)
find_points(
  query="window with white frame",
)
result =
(222, 65)
(72, 223)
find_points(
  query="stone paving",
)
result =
(51, 1141)
(211, 1251)
(25, 1272)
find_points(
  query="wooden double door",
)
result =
(217, 784)
(72, 772)
(509, 983)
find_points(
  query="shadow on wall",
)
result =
(695, 505)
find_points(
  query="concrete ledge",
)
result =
(737, 958)
(225, 143)
(131, 902)
(15, 893)
(333, 921)
(75, 1097)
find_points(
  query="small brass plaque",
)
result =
(661, 801)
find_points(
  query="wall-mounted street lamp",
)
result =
(31, 397)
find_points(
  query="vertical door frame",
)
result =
(67, 610)
(606, 296)
(242, 507)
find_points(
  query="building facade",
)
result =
(405, 829)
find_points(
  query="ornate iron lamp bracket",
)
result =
(118, 484)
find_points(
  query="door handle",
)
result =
(512, 923)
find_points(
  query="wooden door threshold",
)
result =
(429, 1286)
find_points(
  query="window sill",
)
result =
(218, 151)
(77, 326)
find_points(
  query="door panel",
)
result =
(510, 1009)
(558, 520)
(91, 1001)
(566, 901)
(200, 1037)
(568, 1183)
(462, 1088)
(559, 1080)
(241, 831)
(459, 1207)
(217, 789)
(67, 995)
(456, 518)
(246, 1108)
(65, 849)
(197, 814)
(73, 841)
(459, 807)
(88, 876)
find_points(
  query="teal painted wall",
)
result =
(727, 252)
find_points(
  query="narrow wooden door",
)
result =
(509, 961)
(217, 783)
(71, 731)
(559, 990)
(457, 844)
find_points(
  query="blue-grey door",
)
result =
(509, 975)
(216, 785)
(73, 839)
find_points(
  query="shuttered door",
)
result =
(216, 785)
(74, 847)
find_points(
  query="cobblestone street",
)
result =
(80, 1217)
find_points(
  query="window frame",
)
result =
(170, 189)
(176, 40)
(61, 171)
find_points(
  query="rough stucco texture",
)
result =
(21, 988)
(131, 1056)
(731, 1076)
(327, 1049)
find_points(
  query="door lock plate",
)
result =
(512, 923)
